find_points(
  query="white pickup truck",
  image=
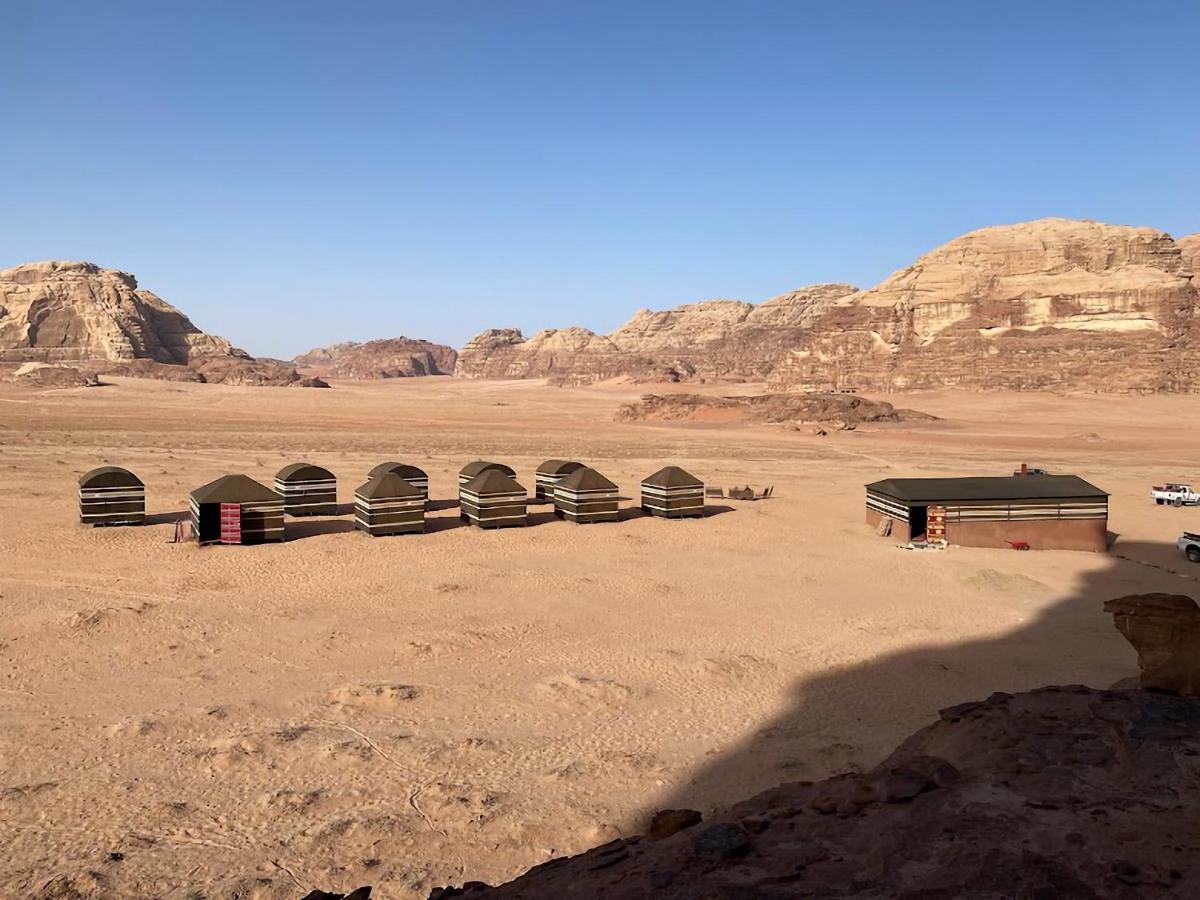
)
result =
(1175, 495)
(1190, 545)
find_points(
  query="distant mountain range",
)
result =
(1054, 303)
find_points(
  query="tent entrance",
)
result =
(918, 522)
(208, 525)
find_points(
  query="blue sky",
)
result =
(293, 174)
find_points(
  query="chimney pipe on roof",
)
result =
(1024, 469)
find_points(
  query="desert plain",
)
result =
(415, 711)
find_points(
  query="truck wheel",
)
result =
(1193, 553)
(1177, 502)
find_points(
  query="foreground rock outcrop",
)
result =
(1062, 792)
(790, 410)
(99, 320)
(1054, 303)
(399, 357)
(1165, 631)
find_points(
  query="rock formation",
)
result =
(573, 355)
(399, 357)
(1051, 303)
(1054, 303)
(100, 320)
(844, 411)
(1165, 631)
(727, 339)
(1059, 792)
(1189, 246)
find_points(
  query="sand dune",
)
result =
(414, 711)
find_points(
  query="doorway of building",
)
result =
(918, 522)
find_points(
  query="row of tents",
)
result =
(236, 509)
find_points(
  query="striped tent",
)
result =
(493, 500)
(111, 495)
(414, 476)
(307, 490)
(236, 509)
(388, 504)
(673, 494)
(471, 469)
(586, 496)
(550, 473)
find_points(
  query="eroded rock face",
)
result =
(1059, 792)
(574, 354)
(1165, 631)
(399, 357)
(1189, 247)
(789, 410)
(77, 312)
(1043, 304)
(713, 339)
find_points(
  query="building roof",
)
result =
(559, 467)
(109, 476)
(492, 481)
(404, 470)
(672, 476)
(472, 469)
(387, 486)
(234, 489)
(302, 471)
(1012, 487)
(585, 479)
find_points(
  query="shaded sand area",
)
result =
(415, 711)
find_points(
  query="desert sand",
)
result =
(415, 711)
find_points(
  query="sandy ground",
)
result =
(413, 711)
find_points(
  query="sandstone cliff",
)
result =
(1051, 303)
(726, 339)
(399, 357)
(1054, 303)
(101, 321)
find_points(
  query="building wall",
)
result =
(1046, 534)
(899, 526)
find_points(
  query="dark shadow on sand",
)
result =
(167, 518)
(299, 529)
(849, 718)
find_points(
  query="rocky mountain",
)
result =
(399, 357)
(99, 320)
(1051, 303)
(841, 411)
(1189, 246)
(1064, 792)
(1054, 303)
(727, 339)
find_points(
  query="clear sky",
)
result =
(292, 174)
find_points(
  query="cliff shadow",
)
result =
(850, 717)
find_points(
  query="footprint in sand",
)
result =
(735, 668)
(583, 692)
(372, 696)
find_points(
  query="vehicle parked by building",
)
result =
(1190, 545)
(1175, 494)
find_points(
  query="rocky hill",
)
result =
(1054, 303)
(1051, 303)
(715, 339)
(99, 320)
(398, 357)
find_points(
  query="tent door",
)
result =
(936, 526)
(231, 523)
(209, 524)
(918, 522)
